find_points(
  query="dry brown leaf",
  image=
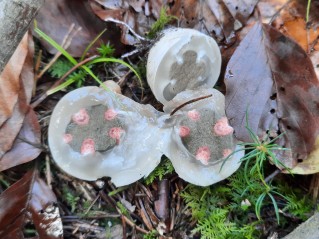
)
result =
(296, 29)
(25, 147)
(10, 83)
(292, 22)
(217, 18)
(271, 78)
(29, 200)
(56, 17)
(11, 127)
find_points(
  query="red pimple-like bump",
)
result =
(115, 133)
(227, 152)
(184, 131)
(67, 138)
(110, 114)
(203, 154)
(193, 115)
(87, 147)
(81, 117)
(222, 128)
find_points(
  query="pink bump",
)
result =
(67, 138)
(222, 127)
(115, 133)
(184, 131)
(110, 114)
(81, 117)
(193, 115)
(203, 155)
(87, 147)
(227, 152)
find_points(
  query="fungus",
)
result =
(113, 86)
(182, 59)
(201, 156)
(115, 136)
(124, 140)
(94, 133)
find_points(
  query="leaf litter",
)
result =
(219, 19)
(29, 200)
(57, 17)
(275, 108)
(18, 72)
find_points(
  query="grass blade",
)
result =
(55, 45)
(91, 44)
(114, 60)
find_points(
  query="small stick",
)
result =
(131, 29)
(133, 225)
(48, 171)
(189, 102)
(91, 205)
(278, 12)
(128, 221)
(70, 71)
(271, 176)
(36, 70)
(123, 227)
(45, 94)
(65, 44)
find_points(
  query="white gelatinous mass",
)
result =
(202, 144)
(136, 151)
(94, 133)
(182, 59)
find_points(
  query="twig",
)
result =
(36, 70)
(278, 12)
(145, 216)
(57, 83)
(47, 93)
(48, 171)
(91, 205)
(139, 49)
(133, 225)
(66, 42)
(131, 29)
(271, 176)
(189, 102)
(128, 221)
(123, 227)
(35, 145)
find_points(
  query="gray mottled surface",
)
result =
(15, 18)
(306, 230)
(97, 129)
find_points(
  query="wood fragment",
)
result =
(145, 216)
(162, 204)
(15, 19)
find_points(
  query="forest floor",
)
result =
(276, 44)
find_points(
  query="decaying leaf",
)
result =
(56, 17)
(19, 74)
(217, 18)
(29, 200)
(10, 83)
(26, 145)
(292, 22)
(271, 78)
